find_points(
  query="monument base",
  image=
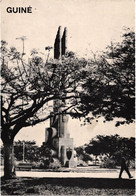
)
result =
(65, 150)
(71, 164)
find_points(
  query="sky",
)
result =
(81, 134)
(92, 25)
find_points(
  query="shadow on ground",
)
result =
(65, 186)
(85, 182)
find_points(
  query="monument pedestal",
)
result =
(63, 145)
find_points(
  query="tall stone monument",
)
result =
(60, 44)
(58, 136)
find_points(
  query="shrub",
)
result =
(55, 164)
(44, 164)
(132, 164)
(108, 163)
(82, 163)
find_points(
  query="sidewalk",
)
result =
(96, 173)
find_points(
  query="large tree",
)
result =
(103, 86)
(113, 146)
(109, 88)
(28, 89)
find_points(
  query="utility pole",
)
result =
(23, 151)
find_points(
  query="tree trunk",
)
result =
(9, 163)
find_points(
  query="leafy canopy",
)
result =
(30, 87)
(109, 88)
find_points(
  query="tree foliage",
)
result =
(82, 154)
(28, 88)
(103, 86)
(30, 150)
(109, 88)
(113, 146)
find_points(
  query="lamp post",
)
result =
(23, 151)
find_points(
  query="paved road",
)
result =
(98, 173)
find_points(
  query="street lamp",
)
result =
(23, 151)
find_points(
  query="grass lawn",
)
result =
(67, 186)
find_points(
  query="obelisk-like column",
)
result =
(64, 41)
(58, 134)
(57, 45)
